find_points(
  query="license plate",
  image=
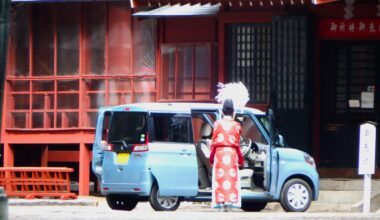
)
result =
(122, 158)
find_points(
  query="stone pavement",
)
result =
(80, 201)
(337, 197)
(198, 206)
(187, 211)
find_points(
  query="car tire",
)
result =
(296, 196)
(121, 202)
(250, 206)
(162, 203)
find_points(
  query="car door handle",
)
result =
(185, 153)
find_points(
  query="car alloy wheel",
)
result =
(296, 196)
(163, 203)
(167, 202)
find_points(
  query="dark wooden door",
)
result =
(291, 76)
(272, 60)
(349, 79)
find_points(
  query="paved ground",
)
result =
(96, 209)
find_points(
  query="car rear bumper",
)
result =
(141, 189)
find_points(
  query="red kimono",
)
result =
(226, 157)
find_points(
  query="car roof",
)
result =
(180, 107)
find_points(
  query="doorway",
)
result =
(272, 60)
(349, 97)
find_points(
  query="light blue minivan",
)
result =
(159, 152)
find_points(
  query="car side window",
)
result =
(202, 124)
(172, 128)
(250, 129)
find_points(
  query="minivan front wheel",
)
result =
(163, 203)
(121, 202)
(250, 206)
(296, 196)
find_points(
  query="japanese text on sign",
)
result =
(348, 28)
(367, 144)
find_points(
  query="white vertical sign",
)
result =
(367, 146)
(367, 150)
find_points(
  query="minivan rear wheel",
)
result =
(296, 196)
(163, 203)
(121, 202)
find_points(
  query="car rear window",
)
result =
(130, 127)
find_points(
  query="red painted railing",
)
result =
(37, 182)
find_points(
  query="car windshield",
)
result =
(264, 122)
(130, 127)
(250, 129)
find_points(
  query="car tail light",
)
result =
(140, 148)
(105, 146)
(109, 147)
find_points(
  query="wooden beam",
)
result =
(47, 137)
(63, 156)
(317, 2)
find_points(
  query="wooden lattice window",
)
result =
(290, 63)
(187, 72)
(63, 66)
(249, 58)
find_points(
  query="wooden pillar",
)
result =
(84, 170)
(8, 155)
(221, 48)
(44, 155)
(316, 122)
(5, 8)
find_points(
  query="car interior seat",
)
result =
(203, 149)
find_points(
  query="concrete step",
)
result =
(374, 206)
(330, 207)
(345, 195)
(346, 184)
(314, 207)
(340, 197)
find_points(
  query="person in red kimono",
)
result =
(226, 157)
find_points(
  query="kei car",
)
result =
(159, 152)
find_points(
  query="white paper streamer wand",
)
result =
(237, 92)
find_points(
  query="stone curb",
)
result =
(52, 202)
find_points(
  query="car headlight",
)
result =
(309, 160)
